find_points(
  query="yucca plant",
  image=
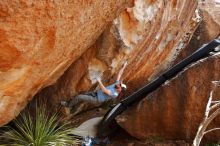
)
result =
(43, 129)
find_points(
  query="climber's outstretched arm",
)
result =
(121, 71)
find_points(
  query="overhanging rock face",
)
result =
(40, 40)
(161, 29)
(148, 35)
(175, 110)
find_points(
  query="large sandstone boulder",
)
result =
(175, 110)
(39, 40)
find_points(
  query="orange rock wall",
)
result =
(39, 40)
(166, 31)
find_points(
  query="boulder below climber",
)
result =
(175, 110)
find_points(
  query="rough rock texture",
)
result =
(208, 29)
(175, 110)
(40, 39)
(212, 7)
(148, 35)
(167, 31)
(165, 98)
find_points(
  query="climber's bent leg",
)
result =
(87, 97)
(91, 97)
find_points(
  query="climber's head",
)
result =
(120, 87)
(123, 87)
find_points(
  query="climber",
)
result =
(103, 94)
